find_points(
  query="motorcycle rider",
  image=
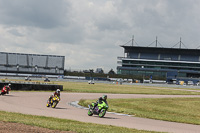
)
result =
(103, 98)
(56, 93)
(6, 89)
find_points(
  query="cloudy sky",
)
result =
(89, 32)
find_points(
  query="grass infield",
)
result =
(183, 110)
(122, 89)
(64, 124)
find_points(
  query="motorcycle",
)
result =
(54, 101)
(99, 110)
(5, 91)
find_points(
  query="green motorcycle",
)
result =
(99, 110)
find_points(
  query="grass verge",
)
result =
(121, 89)
(183, 110)
(84, 87)
(64, 124)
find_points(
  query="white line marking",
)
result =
(75, 104)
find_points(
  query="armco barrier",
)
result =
(32, 86)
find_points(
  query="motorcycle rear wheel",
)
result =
(54, 104)
(90, 112)
(48, 105)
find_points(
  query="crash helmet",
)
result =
(104, 97)
(9, 84)
(58, 91)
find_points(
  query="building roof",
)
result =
(160, 50)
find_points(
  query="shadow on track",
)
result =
(60, 108)
(105, 117)
(8, 96)
(110, 118)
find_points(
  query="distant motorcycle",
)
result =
(54, 101)
(99, 110)
(5, 90)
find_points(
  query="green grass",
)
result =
(64, 124)
(120, 89)
(84, 87)
(183, 110)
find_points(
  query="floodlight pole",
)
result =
(156, 41)
(133, 40)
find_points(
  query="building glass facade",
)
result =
(159, 62)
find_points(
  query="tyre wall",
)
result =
(31, 86)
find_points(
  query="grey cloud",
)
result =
(111, 23)
(72, 34)
(92, 30)
(167, 19)
(36, 13)
(15, 32)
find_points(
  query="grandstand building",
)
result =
(31, 64)
(159, 62)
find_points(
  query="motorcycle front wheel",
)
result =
(102, 113)
(54, 104)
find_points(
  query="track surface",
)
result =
(35, 103)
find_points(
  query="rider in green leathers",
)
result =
(103, 98)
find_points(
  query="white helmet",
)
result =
(58, 90)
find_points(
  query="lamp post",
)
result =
(17, 68)
(142, 75)
(91, 71)
(36, 68)
(56, 69)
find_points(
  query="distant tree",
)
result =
(102, 72)
(91, 70)
(86, 71)
(99, 70)
(111, 72)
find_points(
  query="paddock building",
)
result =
(159, 62)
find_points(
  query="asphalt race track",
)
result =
(35, 103)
